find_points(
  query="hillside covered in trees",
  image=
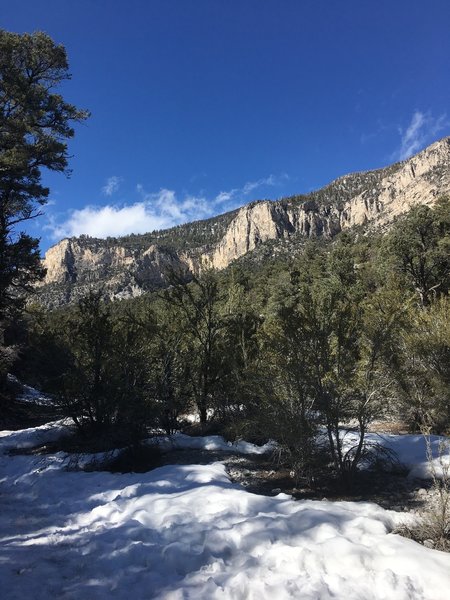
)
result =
(133, 265)
(348, 332)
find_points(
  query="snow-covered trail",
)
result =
(186, 532)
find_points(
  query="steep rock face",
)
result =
(253, 225)
(375, 198)
(77, 265)
(372, 199)
(419, 180)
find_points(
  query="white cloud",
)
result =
(158, 210)
(104, 221)
(111, 186)
(249, 187)
(422, 130)
(167, 206)
(224, 196)
(155, 211)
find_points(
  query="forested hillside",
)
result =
(133, 265)
(347, 332)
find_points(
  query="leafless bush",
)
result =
(433, 528)
(436, 521)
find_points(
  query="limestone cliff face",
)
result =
(77, 259)
(253, 225)
(77, 265)
(372, 199)
(419, 180)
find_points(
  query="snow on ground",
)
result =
(30, 394)
(411, 451)
(180, 441)
(35, 436)
(185, 531)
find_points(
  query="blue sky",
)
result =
(199, 106)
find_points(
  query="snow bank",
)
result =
(180, 441)
(411, 451)
(185, 531)
(34, 436)
(31, 394)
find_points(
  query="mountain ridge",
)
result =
(134, 264)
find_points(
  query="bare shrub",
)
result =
(436, 521)
(433, 528)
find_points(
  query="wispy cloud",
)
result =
(165, 204)
(153, 210)
(422, 130)
(196, 176)
(235, 194)
(111, 186)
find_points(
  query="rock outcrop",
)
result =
(372, 199)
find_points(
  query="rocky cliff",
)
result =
(127, 267)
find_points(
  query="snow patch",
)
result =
(186, 531)
(181, 441)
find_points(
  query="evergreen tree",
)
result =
(171, 354)
(422, 366)
(287, 410)
(198, 304)
(35, 123)
(419, 246)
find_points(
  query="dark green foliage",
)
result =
(35, 123)
(172, 391)
(197, 304)
(286, 412)
(96, 366)
(419, 246)
(299, 350)
(328, 338)
(422, 367)
(89, 385)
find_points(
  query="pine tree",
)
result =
(35, 123)
(419, 245)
